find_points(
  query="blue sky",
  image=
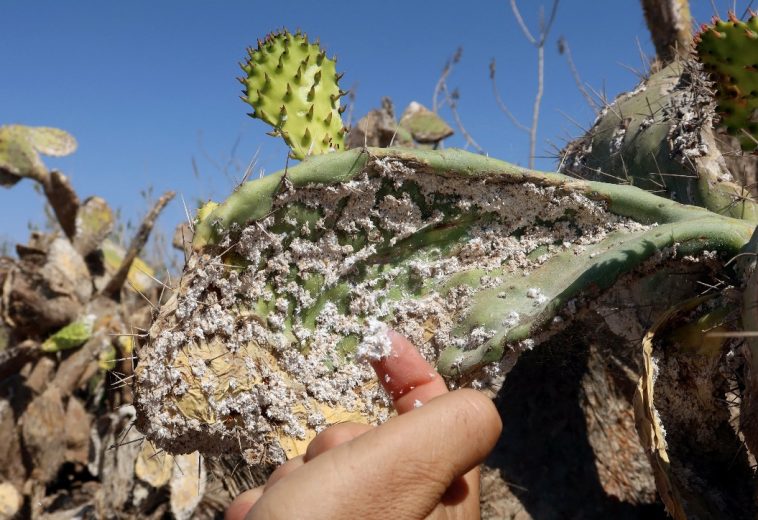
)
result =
(148, 86)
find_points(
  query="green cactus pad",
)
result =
(469, 257)
(659, 137)
(71, 336)
(292, 86)
(728, 50)
(424, 125)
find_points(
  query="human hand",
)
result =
(421, 464)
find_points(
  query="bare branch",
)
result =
(518, 124)
(442, 81)
(537, 103)
(113, 288)
(539, 44)
(563, 48)
(520, 20)
(439, 86)
(451, 100)
(747, 10)
(546, 29)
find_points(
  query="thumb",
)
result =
(400, 469)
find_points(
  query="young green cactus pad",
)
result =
(71, 336)
(293, 277)
(292, 86)
(728, 50)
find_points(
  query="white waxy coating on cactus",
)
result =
(376, 344)
(264, 357)
(535, 293)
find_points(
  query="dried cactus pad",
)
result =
(20, 147)
(293, 277)
(728, 50)
(292, 86)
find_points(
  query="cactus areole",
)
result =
(469, 257)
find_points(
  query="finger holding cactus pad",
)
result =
(728, 50)
(292, 86)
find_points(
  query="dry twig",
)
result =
(450, 99)
(113, 289)
(539, 43)
(565, 50)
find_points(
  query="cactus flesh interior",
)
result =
(468, 256)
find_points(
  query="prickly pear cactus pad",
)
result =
(292, 86)
(728, 50)
(293, 279)
(659, 137)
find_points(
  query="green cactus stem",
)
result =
(293, 87)
(728, 50)
(295, 274)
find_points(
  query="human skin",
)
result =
(421, 464)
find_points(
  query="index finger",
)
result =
(406, 376)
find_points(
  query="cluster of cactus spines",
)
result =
(293, 86)
(728, 50)
(463, 259)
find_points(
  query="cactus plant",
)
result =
(660, 137)
(20, 147)
(728, 50)
(292, 281)
(470, 257)
(293, 87)
(72, 335)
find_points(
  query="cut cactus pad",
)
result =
(292, 86)
(467, 256)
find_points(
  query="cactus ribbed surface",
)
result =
(469, 257)
(728, 50)
(292, 86)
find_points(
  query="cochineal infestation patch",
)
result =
(265, 341)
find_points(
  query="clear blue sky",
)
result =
(146, 86)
